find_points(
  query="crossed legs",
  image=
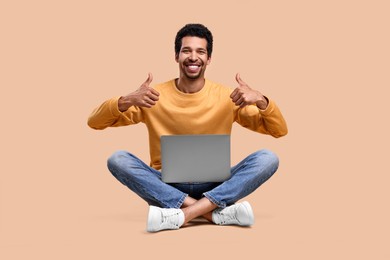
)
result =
(193, 208)
(145, 181)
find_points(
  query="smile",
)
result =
(193, 67)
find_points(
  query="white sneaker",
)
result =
(160, 219)
(238, 214)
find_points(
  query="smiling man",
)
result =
(191, 104)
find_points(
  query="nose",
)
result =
(193, 56)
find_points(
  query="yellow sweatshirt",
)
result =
(208, 111)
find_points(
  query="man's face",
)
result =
(193, 57)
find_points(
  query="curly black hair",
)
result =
(194, 29)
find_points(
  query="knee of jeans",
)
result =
(116, 158)
(268, 157)
(114, 163)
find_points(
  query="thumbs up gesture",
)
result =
(144, 96)
(243, 95)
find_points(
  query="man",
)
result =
(192, 104)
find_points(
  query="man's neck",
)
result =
(186, 85)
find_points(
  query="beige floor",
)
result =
(308, 210)
(325, 64)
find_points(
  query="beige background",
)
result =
(325, 63)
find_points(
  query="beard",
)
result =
(193, 76)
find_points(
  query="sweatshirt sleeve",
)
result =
(269, 121)
(108, 114)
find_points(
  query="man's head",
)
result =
(193, 48)
(197, 30)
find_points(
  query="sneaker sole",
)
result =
(153, 218)
(249, 212)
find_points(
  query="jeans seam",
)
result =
(181, 201)
(213, 200)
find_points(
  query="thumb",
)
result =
(239, 80)
(149, 79)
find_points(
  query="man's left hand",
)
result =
(243, 95)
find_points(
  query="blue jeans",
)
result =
(145, 181)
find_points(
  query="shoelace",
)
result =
(228, 216)
(170, 219)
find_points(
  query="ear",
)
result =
(208, 60)
(176, 57)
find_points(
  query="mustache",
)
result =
(188, 63)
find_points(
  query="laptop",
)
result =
(195, 158)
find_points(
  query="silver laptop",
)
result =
(195, 158)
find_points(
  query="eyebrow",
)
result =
(187, 47)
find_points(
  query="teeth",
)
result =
(193, 67)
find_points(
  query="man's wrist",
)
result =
(262, 103)
(122, 106)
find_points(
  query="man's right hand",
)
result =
(144, 96)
